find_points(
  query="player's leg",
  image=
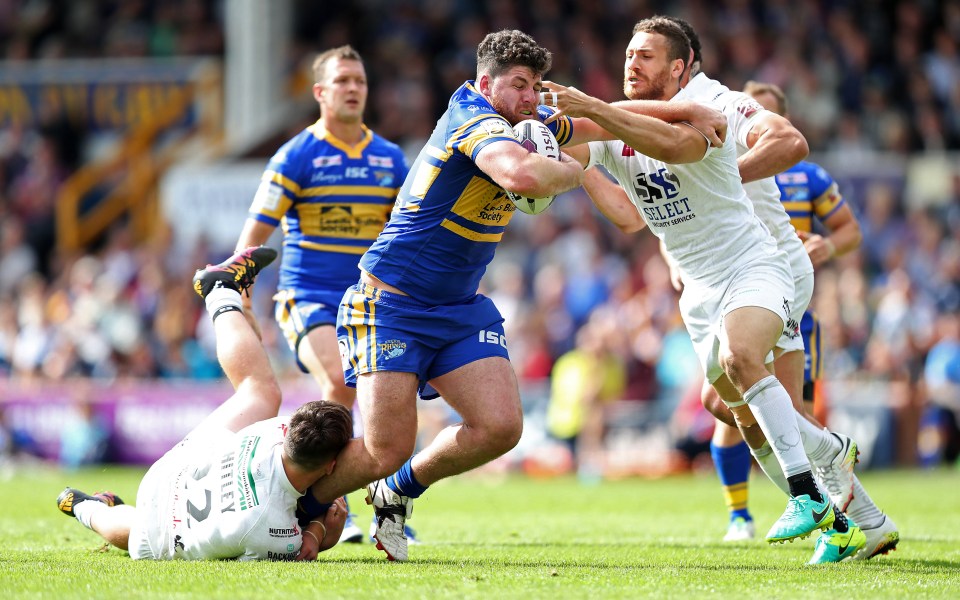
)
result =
(734, 412)
(702, 310)
(307, 320)
(731, 458)
(474, 376)
(880, 532)
(318, 352)
(387, 401)
(748, 335)
(486, 396)
(239, 349)
(843, 539)
(102, 512)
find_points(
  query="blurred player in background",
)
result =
(738, 288)
(416, 316)
(197, 502)
(332, 187)
(809, 194)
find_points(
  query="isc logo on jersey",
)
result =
(535, 137)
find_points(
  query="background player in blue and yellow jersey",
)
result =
(416, 315)
(332, 187)
(810, 195)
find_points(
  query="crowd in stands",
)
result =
(861, 77)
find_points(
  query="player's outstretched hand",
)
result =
(568, 101)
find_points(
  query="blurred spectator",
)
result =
(83, 441)
(17, 258)
(16, 446)
(942, 375)
(583, 381)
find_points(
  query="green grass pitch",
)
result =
(487, 537)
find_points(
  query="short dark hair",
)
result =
(678, 45)
(509, 48)
(692, 37)
(753, 88)
(317, 432)
(340, 52)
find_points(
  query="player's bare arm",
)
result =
(516, 170)
(709, 121)
(844, 236)
(775, 146)
(673, 144)
(612, 201)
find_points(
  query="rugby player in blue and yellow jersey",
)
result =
(332, 188)
(415, 315)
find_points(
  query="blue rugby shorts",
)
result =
(383, 331)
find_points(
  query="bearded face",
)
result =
(651, 87)
(648, 73)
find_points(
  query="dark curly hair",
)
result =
(677, 42)
(509, 48)
(317, 432)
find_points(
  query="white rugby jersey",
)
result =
(234, 500)
(699, 210)
(741, 111)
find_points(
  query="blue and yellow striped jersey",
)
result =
(449, 215)
(807, 190)
(332, 200)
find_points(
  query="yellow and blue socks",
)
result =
(405, 483)
(733, 467)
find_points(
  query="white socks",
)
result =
(774, 412)
(771, 466)
(221, 300)
(86, 510)
(862, 510)
(820, 445)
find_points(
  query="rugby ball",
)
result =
(535, 137)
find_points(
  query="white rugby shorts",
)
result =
(766, 282)
(791, 340)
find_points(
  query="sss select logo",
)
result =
(661, 189)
